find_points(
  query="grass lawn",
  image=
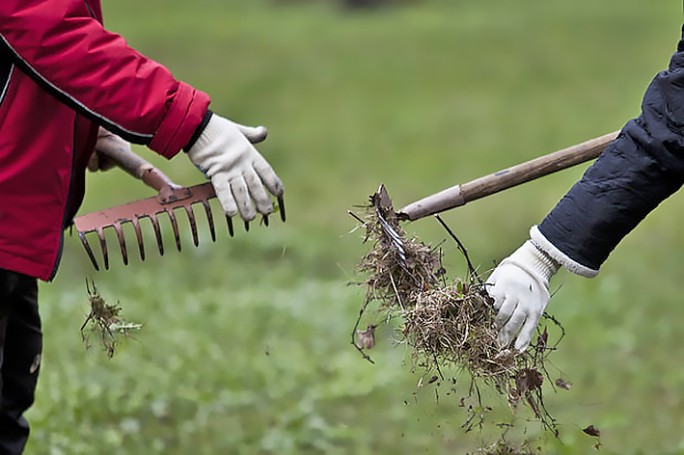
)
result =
(245, 347)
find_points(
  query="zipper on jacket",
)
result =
(5, 76)
(6, 70)
(72, 176)
(90, 9)
(67, 208)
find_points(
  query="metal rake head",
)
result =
(165, 203)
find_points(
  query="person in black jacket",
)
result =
(637, 171)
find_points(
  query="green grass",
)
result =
(246, 348)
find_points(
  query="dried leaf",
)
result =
(591, 430)
(563, 384)
(528, 379)
(365, 339)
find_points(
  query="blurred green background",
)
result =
(246, 345)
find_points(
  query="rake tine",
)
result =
(122, 242)
(193, 225)
(174, 225)
(210, 219)
(103, 246)
(157, 233)
(246, 226)
(229, 220)
(281, 208)
(265, 220)
(138, 235)
(86, 245)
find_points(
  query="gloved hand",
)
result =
(105, 140)
(238, 172)
(520, 289)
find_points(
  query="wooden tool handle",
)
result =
(459, 195)
(135, 165)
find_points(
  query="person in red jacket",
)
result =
(62, 77)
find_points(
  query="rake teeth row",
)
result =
(117, 217)
(118, 227)
(156, 227)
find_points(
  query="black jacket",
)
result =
(641, 168)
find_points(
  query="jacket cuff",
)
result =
(543, 244)
(186, 112)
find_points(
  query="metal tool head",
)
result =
(388, 218)
(164, 205)
(383, 202)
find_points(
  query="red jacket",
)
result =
(61, 75)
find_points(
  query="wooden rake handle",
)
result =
(459, 195)
(141, 169)
(136, 166)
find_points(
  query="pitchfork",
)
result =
(170, 197)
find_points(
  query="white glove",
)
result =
(238, 172)
(520, 289)
(105, 140)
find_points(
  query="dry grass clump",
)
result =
(395, 275)
(104, 322)
(444, 323)
(455, 324)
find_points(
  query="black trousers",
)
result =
(21, 343)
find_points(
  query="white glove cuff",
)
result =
(557, 255)
(211, 132)
(534, 261)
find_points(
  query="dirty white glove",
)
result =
(238, 172)
(105, 141)
(520, 289)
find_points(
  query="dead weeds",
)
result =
(103, 321)
(445, 323)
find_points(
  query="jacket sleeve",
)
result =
(636, 172)
(62, 46)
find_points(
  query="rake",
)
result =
(169, 198)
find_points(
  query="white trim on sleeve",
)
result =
(557, 255)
